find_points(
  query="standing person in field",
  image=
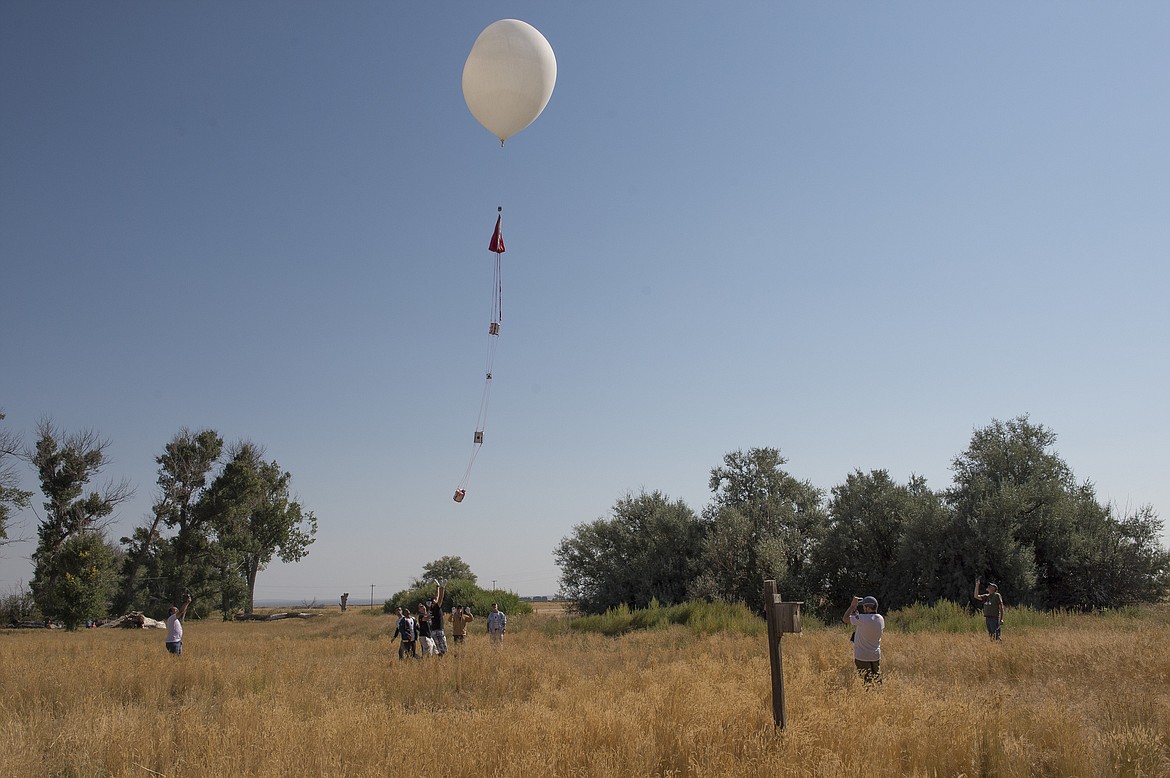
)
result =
(175, 626)
(423, 625)
(460, 617)
(992, 608)
(497, 623)
(436, 615)
(405, 628)
(867, 637)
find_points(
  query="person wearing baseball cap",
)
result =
(992, 608)
(868, 627)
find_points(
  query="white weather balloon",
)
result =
(509, 77)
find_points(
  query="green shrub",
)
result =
(459, 592)
(706, 618)
(701, 618)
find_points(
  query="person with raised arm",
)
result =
(992, 608)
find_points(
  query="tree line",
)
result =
(1013, 514)
(221, 515)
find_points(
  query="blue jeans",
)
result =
(993, 625)
(176, 648)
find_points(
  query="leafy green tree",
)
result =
(1123, 562)
(928, 567)
(1018, 502)
(151, 573)
(447, 568)
(12, 497)
(648, 550)
(763, 523)
(1046, 539)
(84, 576)
(883, 539)
(734, 561)
(860, 547)
(146, 580)
(65, 465)
(255, 519)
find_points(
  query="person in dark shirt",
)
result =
(992, 608)
(435, 608)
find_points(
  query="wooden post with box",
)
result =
(782, 617)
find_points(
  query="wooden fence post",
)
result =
(772, 614)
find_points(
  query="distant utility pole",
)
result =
(493, 584)
(371, 595)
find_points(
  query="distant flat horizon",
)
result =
(335, 602)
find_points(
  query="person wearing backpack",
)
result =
(405, 628)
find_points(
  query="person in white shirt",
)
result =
(867, 637)
(497, 623)
(175, 627)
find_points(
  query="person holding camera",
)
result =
(175, 626)
(868, 627)
(460, 617)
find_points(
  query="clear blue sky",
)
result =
(852, 231)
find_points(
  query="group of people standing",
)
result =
(868, 626)
(428, 627)
(426, 631)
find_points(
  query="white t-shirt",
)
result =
(867, 640)
(174, 628)
(496, 622)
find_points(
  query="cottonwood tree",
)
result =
(883, 539)
(249, 506)
(1124, 562)
(762, 523)
(65, 465)
(12, 497)
(443, 569)
(184, 468)
(1016, 502)
(647, 550)
(1047, 539)
(929, 565)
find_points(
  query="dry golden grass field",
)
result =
(1083, 696)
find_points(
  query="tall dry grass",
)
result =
(1081, 696)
